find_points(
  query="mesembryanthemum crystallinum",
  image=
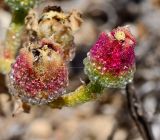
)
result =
(111, 61)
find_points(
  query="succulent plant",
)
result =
(38, 48)
(39, 74)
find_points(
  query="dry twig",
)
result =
(137, 113)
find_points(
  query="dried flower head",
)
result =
(111, 60)
(56, 25)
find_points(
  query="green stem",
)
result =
(18, 16)
(14, 33)
(13, 41)
(20, 9)
(81, 95)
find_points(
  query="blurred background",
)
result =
(106, 118)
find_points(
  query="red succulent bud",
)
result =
(112, 58)
(39, 75)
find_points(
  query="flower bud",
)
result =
(39, 74)
(111, 61)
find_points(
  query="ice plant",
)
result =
(111, 61)
(40, 46)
